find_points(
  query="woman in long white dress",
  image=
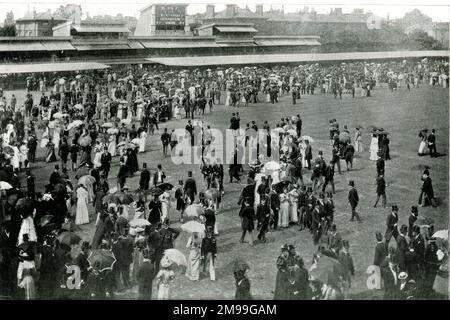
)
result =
(293, 198)
(165, 204)
(143, 138)
(120, 111)
(163, 279)
(193, 261)
(82, 214)
(140, 108)
(98, 155)
(112, 145)
(283, 216)
(45, 137)
(56, 136)
(423, 143)
(374, 148)
(358, 141)
(28, 228)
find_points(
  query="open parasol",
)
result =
(86, 180)
(124, 198)
(194, 226)
(278, 187)
(165, 186)
(311, 140)
(139, 223)
(69, 238)
(193, 210)
(441, 234)
(78, 107)
(175, 257)
(107, 125)
(102, 260)
(271, 166)
(74, 124)
(45, 220)
(155, 191)
(85, 141)
(327, 270)
(112, 131)
(5, 185)
(212, 193)
(110, 198)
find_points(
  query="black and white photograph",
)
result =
(224, 151)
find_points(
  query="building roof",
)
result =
(162, 4)
(292, 58)
(240, 13)
(236, 29)
(40, 16)
(99, 28)
(50, 67)
(226, 24)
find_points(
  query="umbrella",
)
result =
(327, 270)
(292, 132)
(175, 256)
(278, 187)
(155, 191)
(46, 220)
(307, 138)
(25, 206)
(69, 238)
(240, 265)
(124, 198)
(442, 234)
(193, 210)
(85, 141)
(136, 141)
(121, 144)
(59, 115)
(5, 185)
(78, 107)
(74, 124)
(110, 198)
(125, 121)
(112, 131)
(272, 166)
(165, 186)
(86, 180)
(278, 130)
(107, 125)
(102, 260)
(193, 226)
(212, 193)
(139, 223)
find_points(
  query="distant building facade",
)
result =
(37, 24)
(162, 20)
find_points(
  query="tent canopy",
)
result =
(50, 67)
(292, 58)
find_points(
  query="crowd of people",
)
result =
(87, 120)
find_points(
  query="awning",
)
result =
(292, 58)
(57, 45)
(100, 29)
(236, 29)
(50, 67)
(87, 47)
(287, 42)
(156, 44)
(133, 44)
(236, 44)
(21, 46)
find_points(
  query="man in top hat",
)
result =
(427, 190)
(353, 199)
(381, 191)
(380, 250)
(417, 255)
(247, 215)
(165, 139)
(432, 143)
(54, 177)
(144, 180)
(180, 196)
(263, 215)
(159, 176)
(389, 274)
(334, 240)
(412, 220)
(145, 275)
(190, 187)
(209, 252)
(391, 225)
(105, 161)
(122, 174)
(329, 177)
(402, 248)
(380, 165)
(82, 260)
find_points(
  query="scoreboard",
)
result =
(170, 16)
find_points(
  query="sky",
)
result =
(438, 10)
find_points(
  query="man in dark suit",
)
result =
(123, 251)
(274, 199)
(432, 143)
(144, 180)
(299, 124)
(145, 276)
(389, 274)
(105, 161)
(263, 215)
(31, 192)
(402, 248)
(412, 220)
(122, 175)
(247, 215)
(380, 166)
(417, 255)
(329, 177)
(391, 225)
(159, 176)
(54, 177)
(209, 252)
(190, 187)
(334, 240)
(308, 154)
(380, 250)
(381, 191)
(165, 139)
(353, 199)
(82, 262)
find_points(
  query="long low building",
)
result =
(293, 58)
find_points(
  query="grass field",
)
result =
(401, 113)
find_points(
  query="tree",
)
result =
(9, 20)
(8, 31)
(419, 40)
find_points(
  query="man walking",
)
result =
(353, 199)
(432, 143)
(391, 225)
(381, 191)
(165, 139)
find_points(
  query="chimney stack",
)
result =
(259, 9)
(231, 10)
(77, 15)
(210, 10)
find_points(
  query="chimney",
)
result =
(77, 15)
(210, 10)
(338, 11)
(259, 9)
(231, 10)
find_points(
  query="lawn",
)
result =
(401, 113)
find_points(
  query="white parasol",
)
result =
(5, 185)
(307, 138)
(194, 226)
(74, 124)
(441, 234)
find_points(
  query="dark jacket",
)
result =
(145, 275)
(190, 189)
(381, 186)
(400, 254)
(353, 197)
(209, 245)
(247, 215)
(380, 253)
(243, 290)
(144, 180)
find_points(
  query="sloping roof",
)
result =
(287, 42)
(57, 45)
(235, 29)
(88, 47)
(292, 58)
(100, 29)
(21, 46)
(163, 43)
(50, 67)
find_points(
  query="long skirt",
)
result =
(164, 291)
(422, 147)
(283, 215)
(293, 212)
(358, 146)
(193, 265)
